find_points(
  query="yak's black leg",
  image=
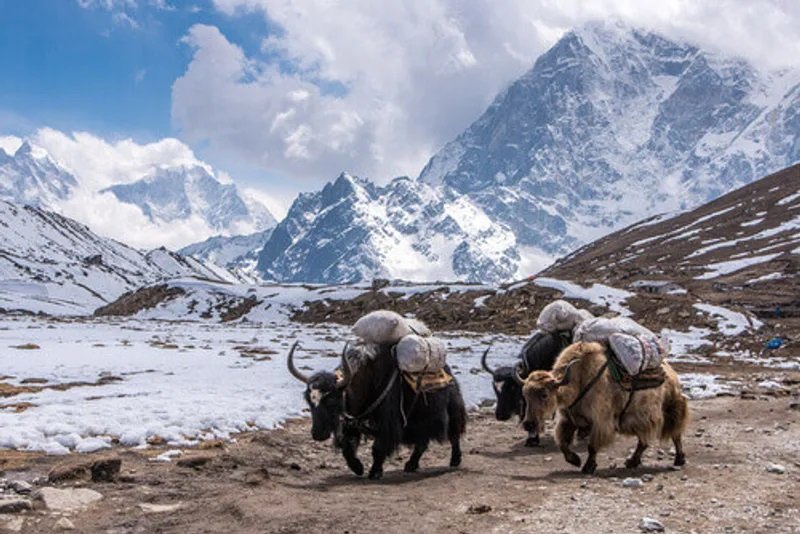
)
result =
(680, 457)
(590, 466)
(635, 459)
(413, 463)
(378, 457)
(455, 451)
(565, 432)
(532, 440)
(350, 442)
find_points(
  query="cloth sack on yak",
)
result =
(385, 326)
(559, 316)
(418, 354)
(636, 347)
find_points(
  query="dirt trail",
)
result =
(281, 481)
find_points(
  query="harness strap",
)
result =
(589, 386)
(625, 409)
(377, 402)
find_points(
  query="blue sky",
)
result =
(108, 71)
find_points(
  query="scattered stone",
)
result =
(294, 466)
(159, 508)
(67, 499)
(11, 505)
(477, 509)
(647, 477)
(65, 524)
(106, 470)
(14, 524)
(648, 524)
(632, 483)
(20, 486)
(776, 469)
(194, 461)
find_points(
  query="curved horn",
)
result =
(290, 364)
(483, 361)
(567, 371)
(516, 376)
(346, 370)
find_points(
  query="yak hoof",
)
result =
(410, 467)
(680, 459)
(375, 474)
(632, 462)
(589, 467)
(532, 442)
(356, 467)
(573, 458)
(455, 460)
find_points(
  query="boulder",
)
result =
(67, 499)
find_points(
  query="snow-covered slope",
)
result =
(354, 230)
(54, 265)
(614, 124)
(610, 126)
(179, 193)
(30, 176)
(237, 253)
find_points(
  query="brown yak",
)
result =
(588, 399)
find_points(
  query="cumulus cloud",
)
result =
(376, 87)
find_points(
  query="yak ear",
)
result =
(567, 374)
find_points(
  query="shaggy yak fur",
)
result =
(653, 414)
(338, 404)
(538, 354)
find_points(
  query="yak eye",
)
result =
(542, 394)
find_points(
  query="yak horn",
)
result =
(567, 371)
(515, 374)
(483, 361)
(346, 370)
(292, 369)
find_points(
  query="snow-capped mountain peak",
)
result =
(30, 176)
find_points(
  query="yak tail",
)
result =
(676, 415)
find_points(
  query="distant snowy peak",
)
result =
(52, 264)
(30, 176)
(237, 253)
(354, 230)
(613, 124)
(168, 194)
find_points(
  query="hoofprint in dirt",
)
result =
(742, 475)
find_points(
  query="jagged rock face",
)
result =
(614, 124)
(611, 125)
(32, 177)
(177, 193)
(354, 230)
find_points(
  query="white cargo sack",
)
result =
(636, 353)
(416, 354)
(599, 329)
(560, 315)
(384, 326)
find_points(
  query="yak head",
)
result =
(324, 395)
(507, 385)
(540, 390)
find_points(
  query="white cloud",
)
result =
(98, 164)
(414, 73)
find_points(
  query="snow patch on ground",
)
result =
(599, 294)
(729, 322)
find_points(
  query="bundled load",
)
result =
(559, 316)
(636, 347)
(416, 351)
(387, 327)
(417, 354)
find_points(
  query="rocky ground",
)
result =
(743, 475)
